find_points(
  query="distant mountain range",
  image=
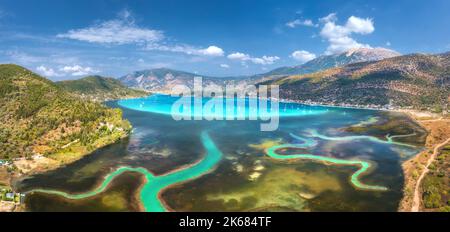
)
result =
(417, 80)
(337, 60)
(163, 79)
(100, 88)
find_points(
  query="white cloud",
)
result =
(388, 43)
(45, 62)
(187, 49)
(298, 22)
(303, 56)
(124, 30)
(211, 51)
(48, 72)
(238, 56)
(309, 23)
(77, 70)
(115, 32)
(118, 31)
(264, 60)
(359, 25)
(293, 24)
(58, 60)
(339, 35)
(329, 18)
(224, 66)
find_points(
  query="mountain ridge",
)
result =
(416, 81)
(335, 60)
(163, 79)
(99, 88)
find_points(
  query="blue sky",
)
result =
(70, 39)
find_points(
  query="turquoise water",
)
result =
(201, 157)
(151, 190)
(307, 143)
(154, 184)
(247, 108)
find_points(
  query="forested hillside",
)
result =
(99, 88)
(39, 117)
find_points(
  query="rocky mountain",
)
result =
(418, 81)
(164, 79)
(39, 117)
(330, 61)
(160, 79)
(100, 88)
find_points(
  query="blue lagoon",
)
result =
(319, 159)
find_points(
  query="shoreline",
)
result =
(41, 164)
(50, 163)
(147, 175)
(415, 168)
(343, 106)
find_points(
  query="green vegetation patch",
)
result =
(436, 184)
(39, 117)
(100, 88)
(394, 124)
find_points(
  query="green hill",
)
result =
(39, 117)
(100, 88)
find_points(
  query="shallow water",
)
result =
(241, 176)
